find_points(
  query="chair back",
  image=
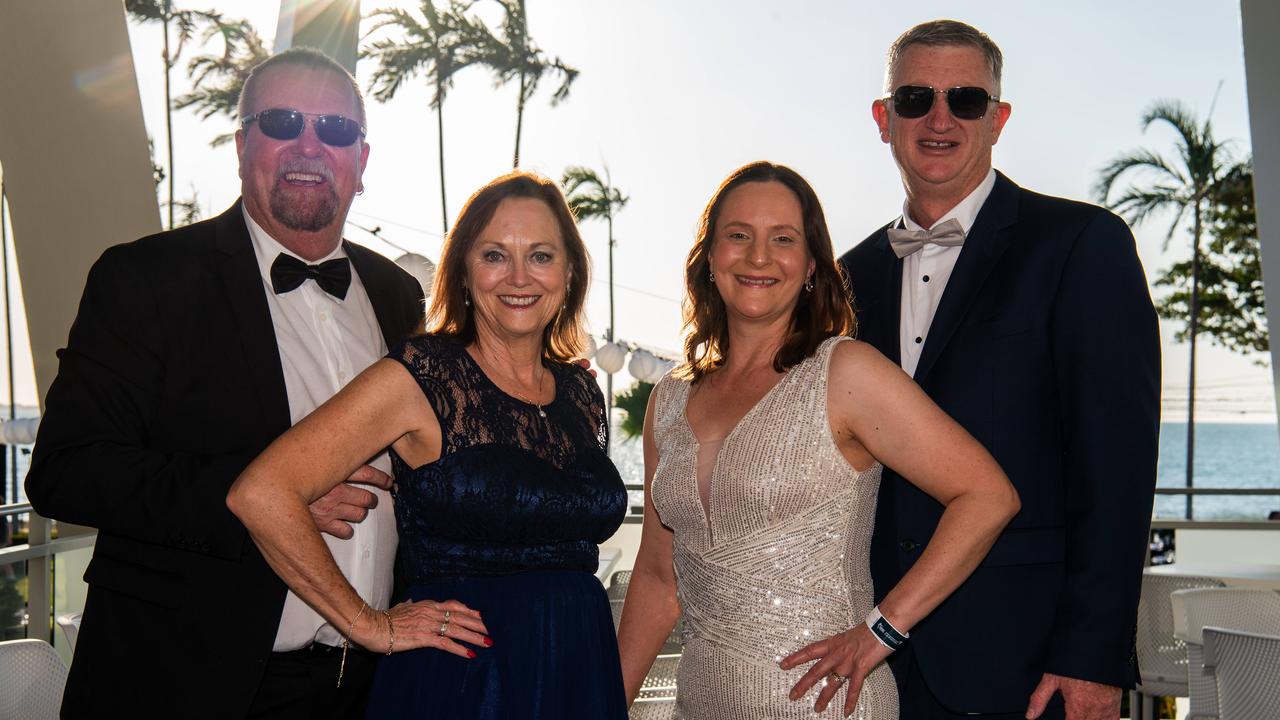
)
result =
(70, 624)
(32, 677)
(1162, 658)
(1247, 668)
(617, 593)
(1238, 608)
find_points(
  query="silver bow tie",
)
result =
(905, 242)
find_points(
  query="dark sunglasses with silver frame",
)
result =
(966, 103)
(286, 124)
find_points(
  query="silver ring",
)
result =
(444, 628)
(446, 616)
(836, 678)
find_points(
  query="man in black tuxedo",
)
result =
(192, 350)
(1027, 318)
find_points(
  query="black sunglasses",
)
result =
(966, 103)
(283, 124)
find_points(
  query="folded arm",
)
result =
(878, 413)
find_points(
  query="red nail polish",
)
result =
(488, 642)
(471, 654)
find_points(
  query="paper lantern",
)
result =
(422, 270)
(642, 366)
(610, 357)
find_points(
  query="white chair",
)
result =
(1247, 667)
(617, 592)
(1238, 608)
(653, 709)
(1162, 658)
(70, 624)
(32, 677)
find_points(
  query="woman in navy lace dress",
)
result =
(502, 486)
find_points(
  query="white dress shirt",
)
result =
(925, 274)
(324, 342)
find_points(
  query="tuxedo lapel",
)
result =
(242, 281)
(983, 246)
(387, 307)
(881, 300)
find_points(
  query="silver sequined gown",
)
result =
(781, 558)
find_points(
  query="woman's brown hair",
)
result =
(819, 314)
(450, 316)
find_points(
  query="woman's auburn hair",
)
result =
(819, 314)
(448, 314)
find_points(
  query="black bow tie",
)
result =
(333, 276)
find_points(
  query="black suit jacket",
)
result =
(170, 384)
(1045, 347)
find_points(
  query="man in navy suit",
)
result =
(1027, 318)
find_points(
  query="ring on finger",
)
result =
(444, 628)
(835, 678)
(447, 615)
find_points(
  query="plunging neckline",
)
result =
(706, 511)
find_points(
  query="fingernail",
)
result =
(488, 642)
(471, 654)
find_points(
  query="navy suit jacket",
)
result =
(1045, 347)
(169, 385)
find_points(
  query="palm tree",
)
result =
(592, 199)
(162, 11)
(515, 56)
(1187, 187)
(216, 79)
(438, 48)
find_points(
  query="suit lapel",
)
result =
(387, 308)
(883, 300)
(983, 246)
(242, 282)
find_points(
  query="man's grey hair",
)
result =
(304, 57)
(944, 33)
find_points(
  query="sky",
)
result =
(674, 94)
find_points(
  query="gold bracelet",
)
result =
(391, 630)
(346, 641)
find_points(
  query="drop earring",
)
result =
(466, 296)
(808, 284)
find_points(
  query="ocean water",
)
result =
(1228, 455)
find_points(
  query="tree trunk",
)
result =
(1194, 327)
(444, 210)
(168, 110)
(515, 159)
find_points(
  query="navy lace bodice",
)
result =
(512, 490)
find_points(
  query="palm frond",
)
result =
(1137, 160)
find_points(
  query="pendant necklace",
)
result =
(542, 413)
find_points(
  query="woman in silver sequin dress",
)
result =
(761, 470)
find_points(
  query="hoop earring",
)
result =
(808, 284)
(711, 274)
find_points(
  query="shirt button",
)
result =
(908, 545)
(919, 340)
(925, 278)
